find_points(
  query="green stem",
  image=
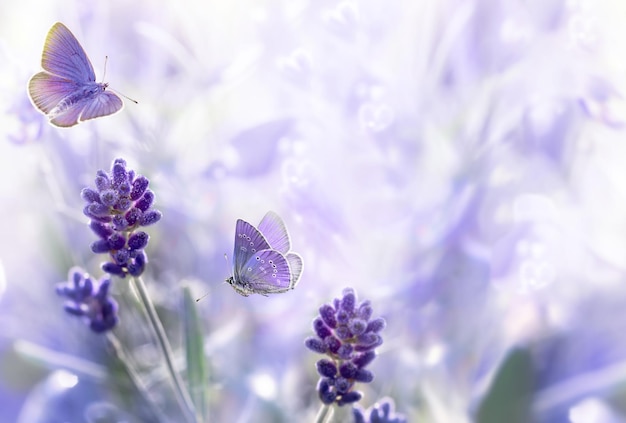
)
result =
(323, 414)
(182, 396)
(123, 358)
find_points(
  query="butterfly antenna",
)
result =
(198, 299)
(106, 59)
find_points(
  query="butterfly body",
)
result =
(262, 261)
(66, 90)
(83, 94)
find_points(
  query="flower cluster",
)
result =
(381, 412)
(89, 299)
(117, 207)
(348, 336)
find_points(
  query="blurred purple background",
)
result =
(460, 164)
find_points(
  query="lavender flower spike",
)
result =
(347, 334)
(89, 299)
(120, 203)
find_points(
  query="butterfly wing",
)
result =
(266, 272)
(46, 90)
(295, 265)
(275, 232)
(103, 104)
(63, 56)
(68, 116)
(248, 240)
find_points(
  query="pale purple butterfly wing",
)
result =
(295, 265)
(266, 272)
(68, 116)
(47, 90)
(103, 104)
(275, 232)
(63, 56)
(248, 240)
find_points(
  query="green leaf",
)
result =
(510, 394)
(197, 378)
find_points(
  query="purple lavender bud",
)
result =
(365, 310)
(347, 370)
(332, 344)
(376, 325)
(131, 176)
(349, 398)
(102, 182)
(124, 189)
(327, 396)
(100, 229)
(345, 351)
(320, 328)
(368, 338)
(326, 368)
(73, 309)
(138, 240)
(109, 197)
(145, 202)
(385, 409)
(342, 385)
(316, 345)
(123, 204)
(119, 223)
(113, 269)
(343, 317)
(90, 195)
(364, 359)
(100, 246)
(138, 265)
(363, 376)
(342, 332)
(369, 342)
(150, 217)
(383, 412)
(75, 275)
(97, 210)
(327, 313)
(349, 300)
(139, 187)
(358, 414)
(119, 175)
(133, 216)
(117, 241)
(121, 257)
(357, 326)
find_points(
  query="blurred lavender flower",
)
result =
(89, 299)
(347, 334)
(119, 205)
(381, 412)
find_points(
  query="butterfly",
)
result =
(262, 262)
(66, 90)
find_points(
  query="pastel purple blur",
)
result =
(66, 90)
(262, 262)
